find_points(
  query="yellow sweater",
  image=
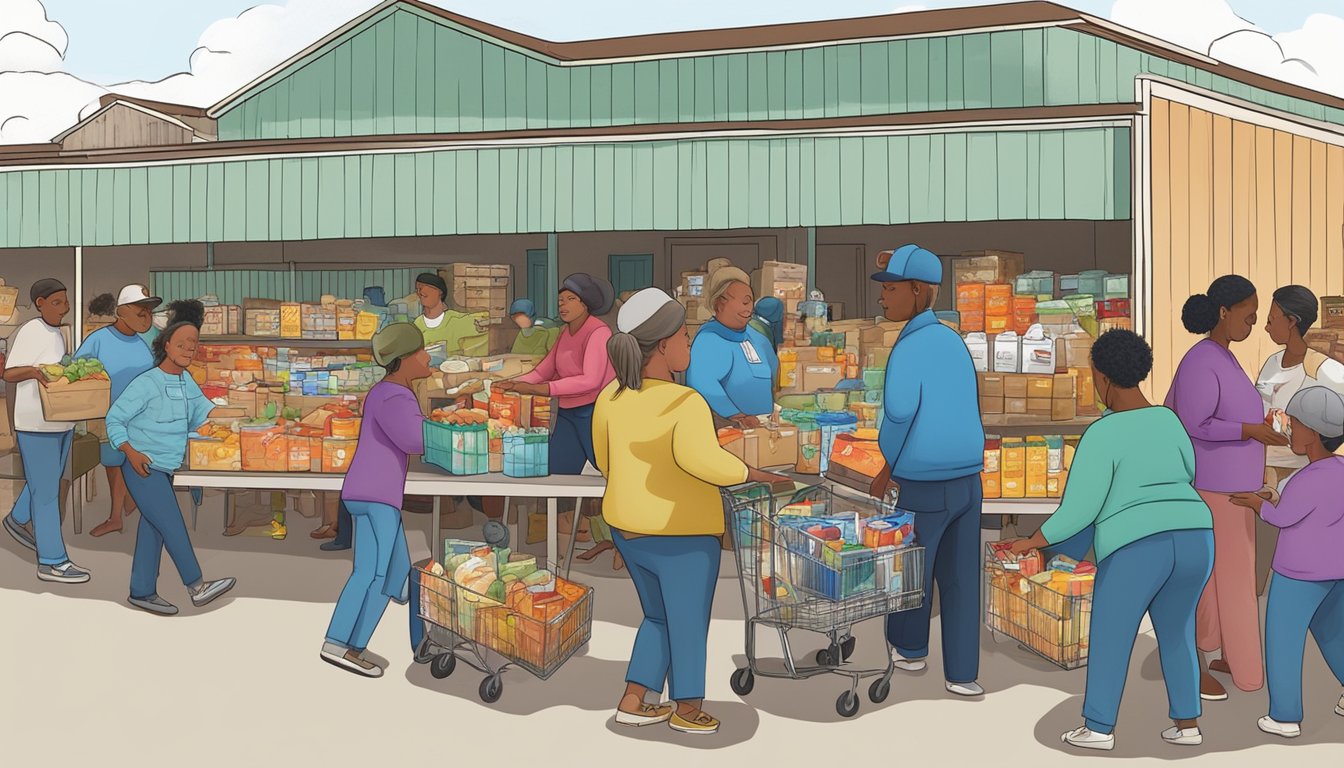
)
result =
(661, 456)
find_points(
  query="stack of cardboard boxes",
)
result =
(1058, 397)
(1329, 338)
(786, 282)
(483, 288)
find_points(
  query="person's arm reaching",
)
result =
(1294, 506)
(1090, 479)
(595, 364)
(710, 364)
(403, 422)
(545, 370)
(696, 449)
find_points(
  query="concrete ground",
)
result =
(92, 682)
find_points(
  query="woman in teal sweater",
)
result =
(1133, 480)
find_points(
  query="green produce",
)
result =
(497, 591)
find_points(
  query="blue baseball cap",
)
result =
(910, 262)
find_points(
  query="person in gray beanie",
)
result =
(1306, 593)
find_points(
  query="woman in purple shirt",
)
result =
(1307, 593)
(373, 490)
(1224, 416)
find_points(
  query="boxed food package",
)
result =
(818, 376)
(1013, 465)
(970, 297)
(991, 405)
(776, 277)
(991, 477)
(978, 345)
(222, 320)
(291, 320)
(998, 300)
(1064, 386)
(1039, 406)
(987, 267)
(1037, 352)
(1015, 406)
(1085, 391)
(1063, 409)
(1007, 353)
(856, 460)
(9, 297)
(1040, 387)
(992, 385)
(1015, 386)
(1332, 312)
(1037, 467)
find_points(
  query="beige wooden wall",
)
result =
(1230, 197)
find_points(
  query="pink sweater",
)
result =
(577, 368)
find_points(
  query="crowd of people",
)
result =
(1165, 496)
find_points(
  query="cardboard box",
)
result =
(474, 270)
(1016, 406)
(1015, 387)
(733, 441)
(1063, 409)
(1065, 387)
(993, 385)
(1039, 406)
(765, 447)
(816, 376)
(992, 404)
(987, 267)
(86, 399)
(1042, 387)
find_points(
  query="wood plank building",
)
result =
(413, 136)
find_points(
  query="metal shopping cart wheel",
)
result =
(848, 704)
(743, 681)
(879, 690)
(491, 689)
(423, 653)
(443, 665)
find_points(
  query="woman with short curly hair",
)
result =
(1132, 481)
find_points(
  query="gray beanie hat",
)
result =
(1320, 410)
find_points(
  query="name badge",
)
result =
(750, 352)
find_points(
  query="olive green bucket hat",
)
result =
(395, 342)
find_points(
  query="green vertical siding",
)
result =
(691, 184)
(405, 71)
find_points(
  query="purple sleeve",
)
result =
(1194, 397)
(1296, 503)
(401, 420)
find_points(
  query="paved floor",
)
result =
(91, 682)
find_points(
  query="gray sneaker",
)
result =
(20, 533)
(210, 590)
(65, 573)
(153, 604)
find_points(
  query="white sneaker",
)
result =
(966, 689)
(1275, 728)
(1339, 708)
(1183, 737)
(907, 665)
(1084, 738)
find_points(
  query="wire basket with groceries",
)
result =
(485, 602)
(817, 561)
(1046, 606)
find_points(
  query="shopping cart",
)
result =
(490, 636)
(1051, 624)
(791, 580)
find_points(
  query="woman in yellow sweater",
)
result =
(655, 442)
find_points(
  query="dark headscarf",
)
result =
(595, 293)
(433, 281)
(44, 288)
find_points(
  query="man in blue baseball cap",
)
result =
(933, 443)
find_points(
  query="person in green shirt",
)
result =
(534, 336)
(1133, 481)
(462, 332)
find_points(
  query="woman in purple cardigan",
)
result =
(1223, 413)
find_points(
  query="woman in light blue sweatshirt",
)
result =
(733, 366)
(150, 423)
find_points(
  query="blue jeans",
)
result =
(378, 532)
(572, 440)
(1161, 575)
(345, 527)
(1294, 608)
(44, 455)
(161, 527)
(675, 578)
(947, 525)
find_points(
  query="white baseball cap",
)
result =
(137, 294)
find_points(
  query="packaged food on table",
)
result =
(527, 453)
(337, 453)
(265, 447)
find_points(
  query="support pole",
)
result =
(553, 274)
(811, 259)
(79, 297)
(209, 255)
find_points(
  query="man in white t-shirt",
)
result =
(44, 446)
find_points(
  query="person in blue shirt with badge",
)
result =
(933, 442)
(733, 366)
(122, 350)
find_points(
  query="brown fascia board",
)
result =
(801, 33)
(227, 149)
(174, 110)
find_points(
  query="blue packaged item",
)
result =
(849, 385)
(834, 423)
(374, 295)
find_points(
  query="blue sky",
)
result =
(149, 39)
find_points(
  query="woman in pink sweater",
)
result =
(574, 372)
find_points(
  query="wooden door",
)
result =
(842, 277)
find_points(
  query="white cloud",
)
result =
(1311, 56)
(29, 42)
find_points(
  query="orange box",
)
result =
(972, 322)
(998, 299)
(996, 324)
(971, 297)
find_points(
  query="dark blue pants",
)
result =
(161, 527)
(947, 525)
(572, 441)
(345, 527)
(1295, 608)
